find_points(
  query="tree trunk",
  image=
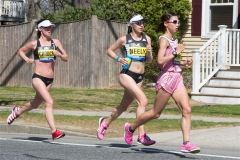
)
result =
(33, 10)
(81, 3)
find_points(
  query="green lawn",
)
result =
(89, 125)
(105, 99)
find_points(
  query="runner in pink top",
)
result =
(169, 83)
(170, 78)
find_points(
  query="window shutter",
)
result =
(196, 17)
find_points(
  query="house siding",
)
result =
(191, 42)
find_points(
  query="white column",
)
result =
(222, 47)
(196, 71)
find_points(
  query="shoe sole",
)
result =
(99, 122)
(125, 133)
(62, 135)
(11, 114)
(193, 151)
(145, 144)
(99, 125)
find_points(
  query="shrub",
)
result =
(120, 10)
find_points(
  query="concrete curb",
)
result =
(4, 128)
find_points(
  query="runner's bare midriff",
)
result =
(137, 67)
(45, 69)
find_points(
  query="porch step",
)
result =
(216, 98)
(221, 90)
(224, 81)
(233, 73)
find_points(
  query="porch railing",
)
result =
(12, 8)
(220, 51)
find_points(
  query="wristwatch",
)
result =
(175, 54)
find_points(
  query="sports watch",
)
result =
(175, 54)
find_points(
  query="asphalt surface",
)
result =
(221, 141)
(36, 146)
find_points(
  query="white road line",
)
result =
(197, 154)
(136, 149)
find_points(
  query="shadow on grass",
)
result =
(9, 102)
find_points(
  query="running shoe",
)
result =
(57, 134)
(102, 128)
(13, 115)
(145, 140)
(190, 148)
(128, 136)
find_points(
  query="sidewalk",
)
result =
(221, 136)
(127, 115)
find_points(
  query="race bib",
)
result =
(177, 60)
(45, 54)
(138, 53)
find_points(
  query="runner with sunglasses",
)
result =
(169, 83)
(45, 51)
(137, 46)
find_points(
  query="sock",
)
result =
(131, 130)
(185, 142)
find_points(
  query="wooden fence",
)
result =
(85, 42)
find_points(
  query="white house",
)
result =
(213, 39)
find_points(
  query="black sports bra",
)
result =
(137, 49)
(44, 53)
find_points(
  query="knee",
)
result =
(186, 111)
(143, 103)
(49, 103)
(156, 115)
(153, 114)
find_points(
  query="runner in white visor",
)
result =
(45, 23)
(136, 19)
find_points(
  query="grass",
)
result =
(232, 111)
(89, 125)
(105, 99)
(70, 98)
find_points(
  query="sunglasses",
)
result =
(173, 21)
(139, 23)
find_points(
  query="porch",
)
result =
(216, 68)
(12, 11)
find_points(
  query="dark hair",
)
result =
(164, 18)
(38, 32)
(129, 29)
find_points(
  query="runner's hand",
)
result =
(29, 61)
(180, 48)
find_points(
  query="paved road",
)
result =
(215, 143)
(32, 147)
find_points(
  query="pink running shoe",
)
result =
(145, 140)
(13, 115)
(127, 134)
(190, 148)
(102, 128)
(57, 134)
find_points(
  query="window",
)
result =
(218, 12)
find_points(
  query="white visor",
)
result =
(137, 18)
(45, 23)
